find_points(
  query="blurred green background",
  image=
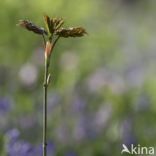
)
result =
(102, 93)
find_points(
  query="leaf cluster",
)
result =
(53, 27)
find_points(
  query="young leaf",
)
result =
(71, 32)
(48, 24)
(32, 27)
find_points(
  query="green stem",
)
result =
(45, 88)
(54, 43)
(44, 41)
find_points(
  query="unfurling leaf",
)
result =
(52, 24)
(49, 24)
(32, 27)
(71, 32)
(58, 22)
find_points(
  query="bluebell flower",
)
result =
(17, 147)
(79, 105)
(5, 104)
(13, 134)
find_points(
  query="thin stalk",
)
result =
(45, 88)
(56, 41)
(44, 41)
